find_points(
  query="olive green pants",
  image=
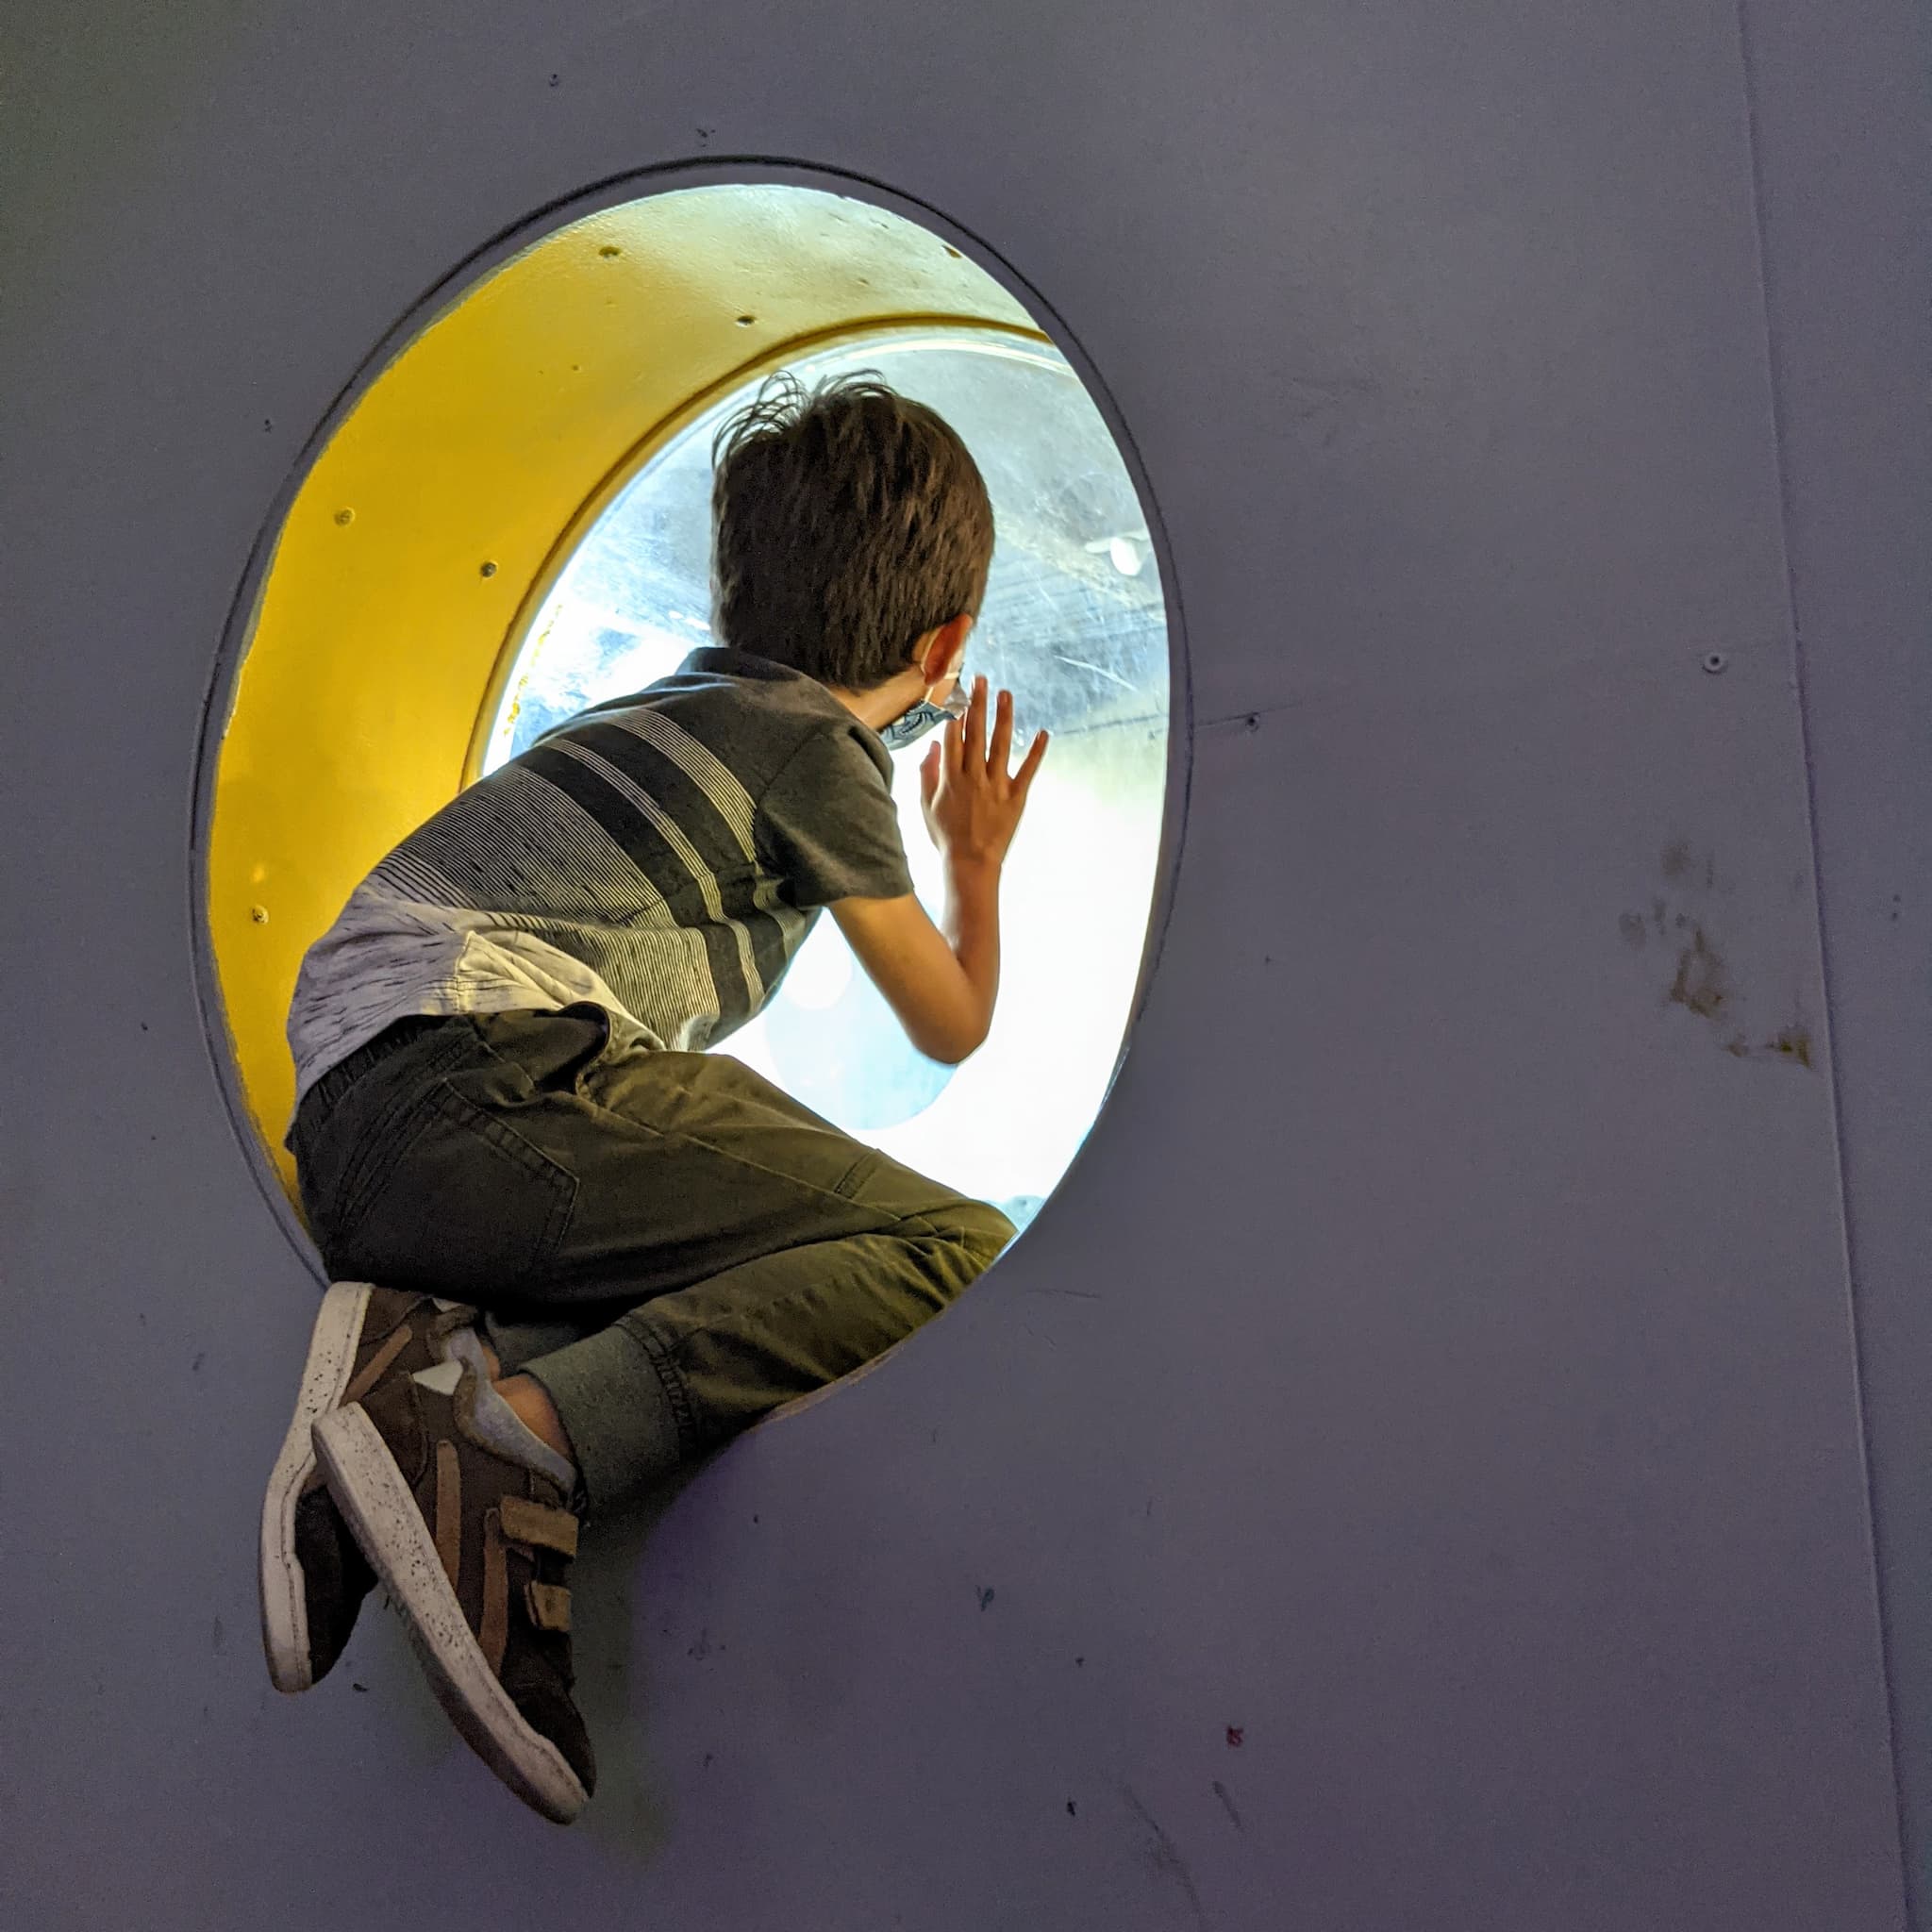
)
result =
(666, 1242)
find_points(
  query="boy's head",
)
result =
(846, 522)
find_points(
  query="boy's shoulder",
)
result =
(765, 723)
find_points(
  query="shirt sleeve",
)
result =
(827, 823)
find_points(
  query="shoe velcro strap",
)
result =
(537, 1526)
(377, 1366)
(549, 1605)
(493, 1627)
(449, 1509)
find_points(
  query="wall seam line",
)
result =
(1775, 397)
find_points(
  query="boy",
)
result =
(601, 1250)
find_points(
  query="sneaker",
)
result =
(466, 1518)
(313, 1577)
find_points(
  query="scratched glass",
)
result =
(1074, 624)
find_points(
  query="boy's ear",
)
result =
(942, 651)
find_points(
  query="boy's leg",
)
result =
(688, 1370)
(719, 1249)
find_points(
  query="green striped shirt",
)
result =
(664, 854)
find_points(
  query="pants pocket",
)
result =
(547, 1052)
(461, 1204)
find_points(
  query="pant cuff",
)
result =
(614, 1408)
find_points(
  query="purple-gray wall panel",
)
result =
(1438, 1374)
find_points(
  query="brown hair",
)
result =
(846, 522)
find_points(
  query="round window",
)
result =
(1073, 622)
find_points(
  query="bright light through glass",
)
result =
(1073, 622)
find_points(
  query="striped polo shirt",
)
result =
(662, 854)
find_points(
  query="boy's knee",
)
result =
(983, 1232)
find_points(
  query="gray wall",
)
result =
(1419, 1461)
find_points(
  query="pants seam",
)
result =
(863, 1152)
(738, 1159)
(723, 1322)
(669, 1378)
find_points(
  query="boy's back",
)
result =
(664, 854)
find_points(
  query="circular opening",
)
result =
(1073, 623)
(544, 433)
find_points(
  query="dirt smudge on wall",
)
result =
(1688, 919)
(1700, 983)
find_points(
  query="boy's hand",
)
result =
(973, 802)
(943, 985)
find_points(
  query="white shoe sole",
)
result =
(377, 1505)
(325, 1376)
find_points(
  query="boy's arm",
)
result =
(943, 985)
